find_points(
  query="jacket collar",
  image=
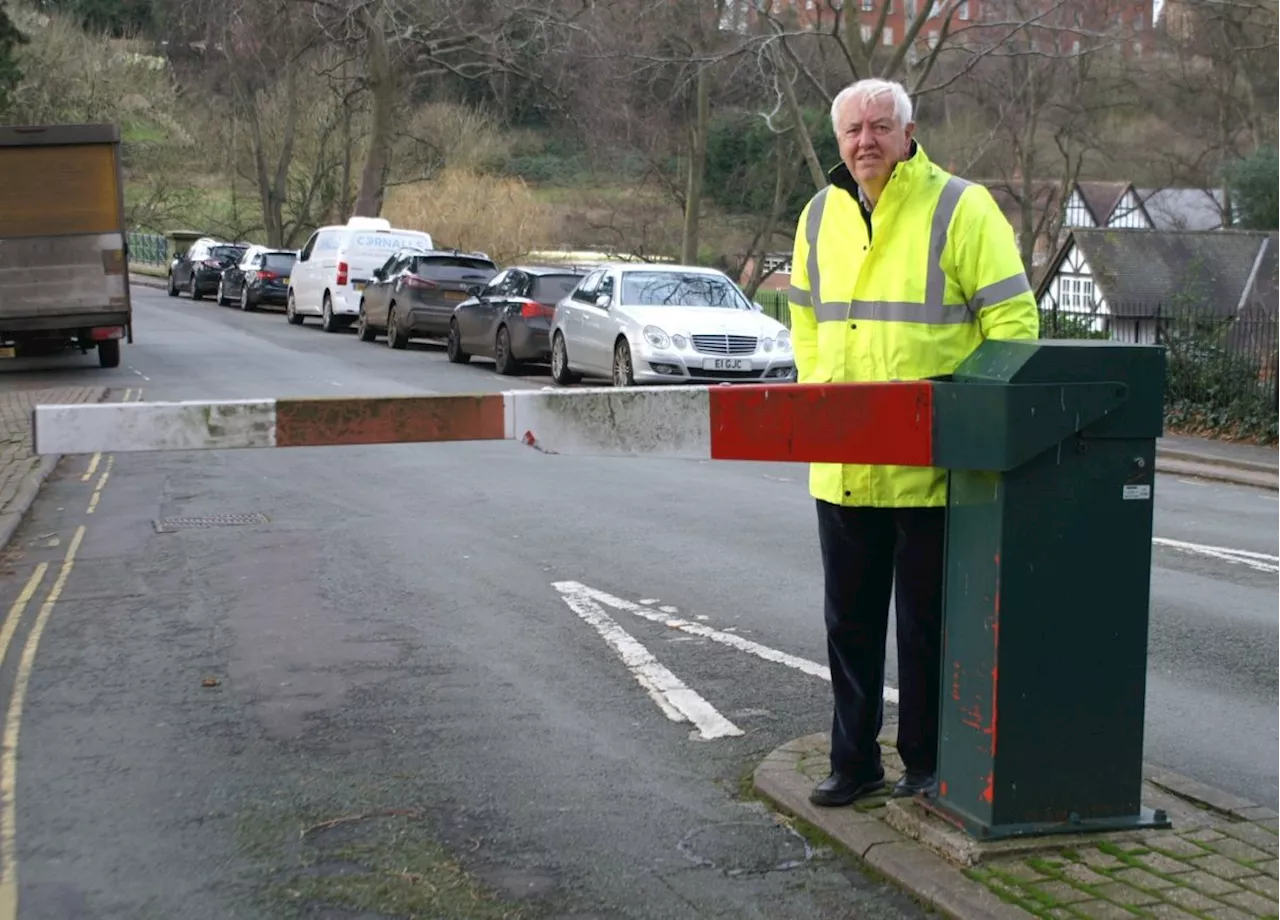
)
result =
(904, 172)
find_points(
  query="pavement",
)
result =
(440, 680)
(1217, 861)
(21, 473)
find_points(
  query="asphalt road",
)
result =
(414, 669)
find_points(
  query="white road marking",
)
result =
(1263, 562)
(676, 700)
(669, 609)
(803, 665)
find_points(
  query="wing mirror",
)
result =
(603, 301)
(475, 290)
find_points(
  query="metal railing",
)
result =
(1222, 367)
(1221, 360)
(148, 249)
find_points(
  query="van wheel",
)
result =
(329, 322)
(109, 353)
(291, 311)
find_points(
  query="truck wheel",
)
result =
(109, 353)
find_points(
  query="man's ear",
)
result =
(909, 131)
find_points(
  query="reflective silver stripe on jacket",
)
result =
(934, 310)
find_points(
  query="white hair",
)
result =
(869, 89)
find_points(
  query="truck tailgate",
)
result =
(61, 236)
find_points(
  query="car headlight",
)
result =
(783, 341)
(656, 337)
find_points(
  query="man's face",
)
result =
(871, 141)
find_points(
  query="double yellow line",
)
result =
(22, 679)
(95, 460)
(13, 717)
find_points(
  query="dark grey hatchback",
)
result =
(414, 292)
(510, 319)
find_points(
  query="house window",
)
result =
(867, 33)
(868, 5)
(1075, 294)
(888, 35)
(964, 10)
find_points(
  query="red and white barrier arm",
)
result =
(868, 423)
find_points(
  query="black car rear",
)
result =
(270, 283)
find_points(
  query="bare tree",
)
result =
(1213, 85)
(1047, 93)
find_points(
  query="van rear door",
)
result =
(367, 250)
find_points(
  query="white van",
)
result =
(337, 262)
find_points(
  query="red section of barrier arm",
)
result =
(393, 420)
(824, 423)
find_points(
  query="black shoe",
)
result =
(915, 784)
(838, 789)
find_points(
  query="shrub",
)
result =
(464, 209)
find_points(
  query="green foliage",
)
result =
(1215, 386)
(1253, 184)
(1055, 324)
(10, 73)
(740, 161)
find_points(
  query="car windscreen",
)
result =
(551, 288)
(279, 261)
(676, 289)
(227, 253)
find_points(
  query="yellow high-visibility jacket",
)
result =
(903, 292)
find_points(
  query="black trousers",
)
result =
(867, 553)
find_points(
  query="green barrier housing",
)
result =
(1051, 451)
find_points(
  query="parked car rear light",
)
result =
(266, 276)
(531, 309)
(414, 281)
(342, 272)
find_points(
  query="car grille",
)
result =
(725, 344)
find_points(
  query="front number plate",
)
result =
(726, 364)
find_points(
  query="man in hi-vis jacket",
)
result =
(900, 270)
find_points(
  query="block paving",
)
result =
(16, 460)
(1213, 865)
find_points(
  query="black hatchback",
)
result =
(262, 277)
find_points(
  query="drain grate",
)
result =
(169, 525)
